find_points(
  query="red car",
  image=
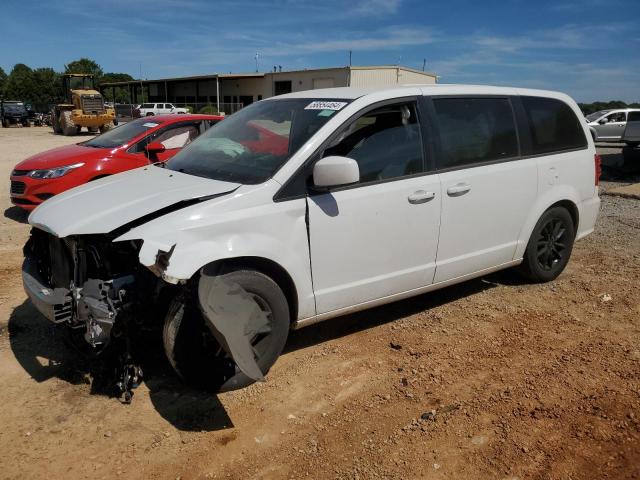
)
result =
(131, 145)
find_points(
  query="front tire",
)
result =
(199, 358)
(67, 125)
(549, 246)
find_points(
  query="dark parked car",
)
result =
(14, 113)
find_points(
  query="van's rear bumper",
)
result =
(588, 212)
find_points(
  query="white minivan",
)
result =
(308, 206)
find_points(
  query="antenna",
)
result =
(257, 55)
(350, 52)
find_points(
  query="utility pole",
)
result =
(141, 87)
(257, 55)
(350, 52)
(424, 64)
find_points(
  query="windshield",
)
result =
(596, 115)
(14, 107)
(81, 83)
(251, 145)
(122, 134)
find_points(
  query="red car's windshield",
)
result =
(121, 135)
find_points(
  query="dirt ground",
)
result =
(494, 378)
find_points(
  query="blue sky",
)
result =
(587, 48)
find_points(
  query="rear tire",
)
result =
(67, 125)
(197, 356)
(549, 246)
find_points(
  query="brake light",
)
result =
(597, 161)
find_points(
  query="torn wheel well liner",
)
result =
(269, 268)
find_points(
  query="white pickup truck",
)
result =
(148, 109)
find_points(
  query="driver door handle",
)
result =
(421, 196)
(458, 189)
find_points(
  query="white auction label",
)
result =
(320, 105)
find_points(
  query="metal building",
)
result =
(229, 92)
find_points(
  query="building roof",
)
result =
(262, 74)
(185, 79)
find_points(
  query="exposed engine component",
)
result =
(98, 304)
(96, 287)
(129, 378)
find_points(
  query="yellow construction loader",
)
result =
(83, 107)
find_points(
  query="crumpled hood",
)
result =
(103, 205)
(61, 156)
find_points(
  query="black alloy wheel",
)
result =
(550, 246)
(552, 243)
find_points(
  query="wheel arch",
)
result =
(572, 208)
(268, 267)
(565, 197)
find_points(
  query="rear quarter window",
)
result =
(553, 125)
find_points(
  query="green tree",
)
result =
(85, 65)
(19, 85)
(121, 93)
(588, 108)
(3, 81)
(47, 88)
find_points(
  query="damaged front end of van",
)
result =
(108, 291)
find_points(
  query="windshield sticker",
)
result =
(326, 113)
(150, 124)
(318, 105)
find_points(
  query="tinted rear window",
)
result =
(553, 125)
(633, 117)
(475, 130)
